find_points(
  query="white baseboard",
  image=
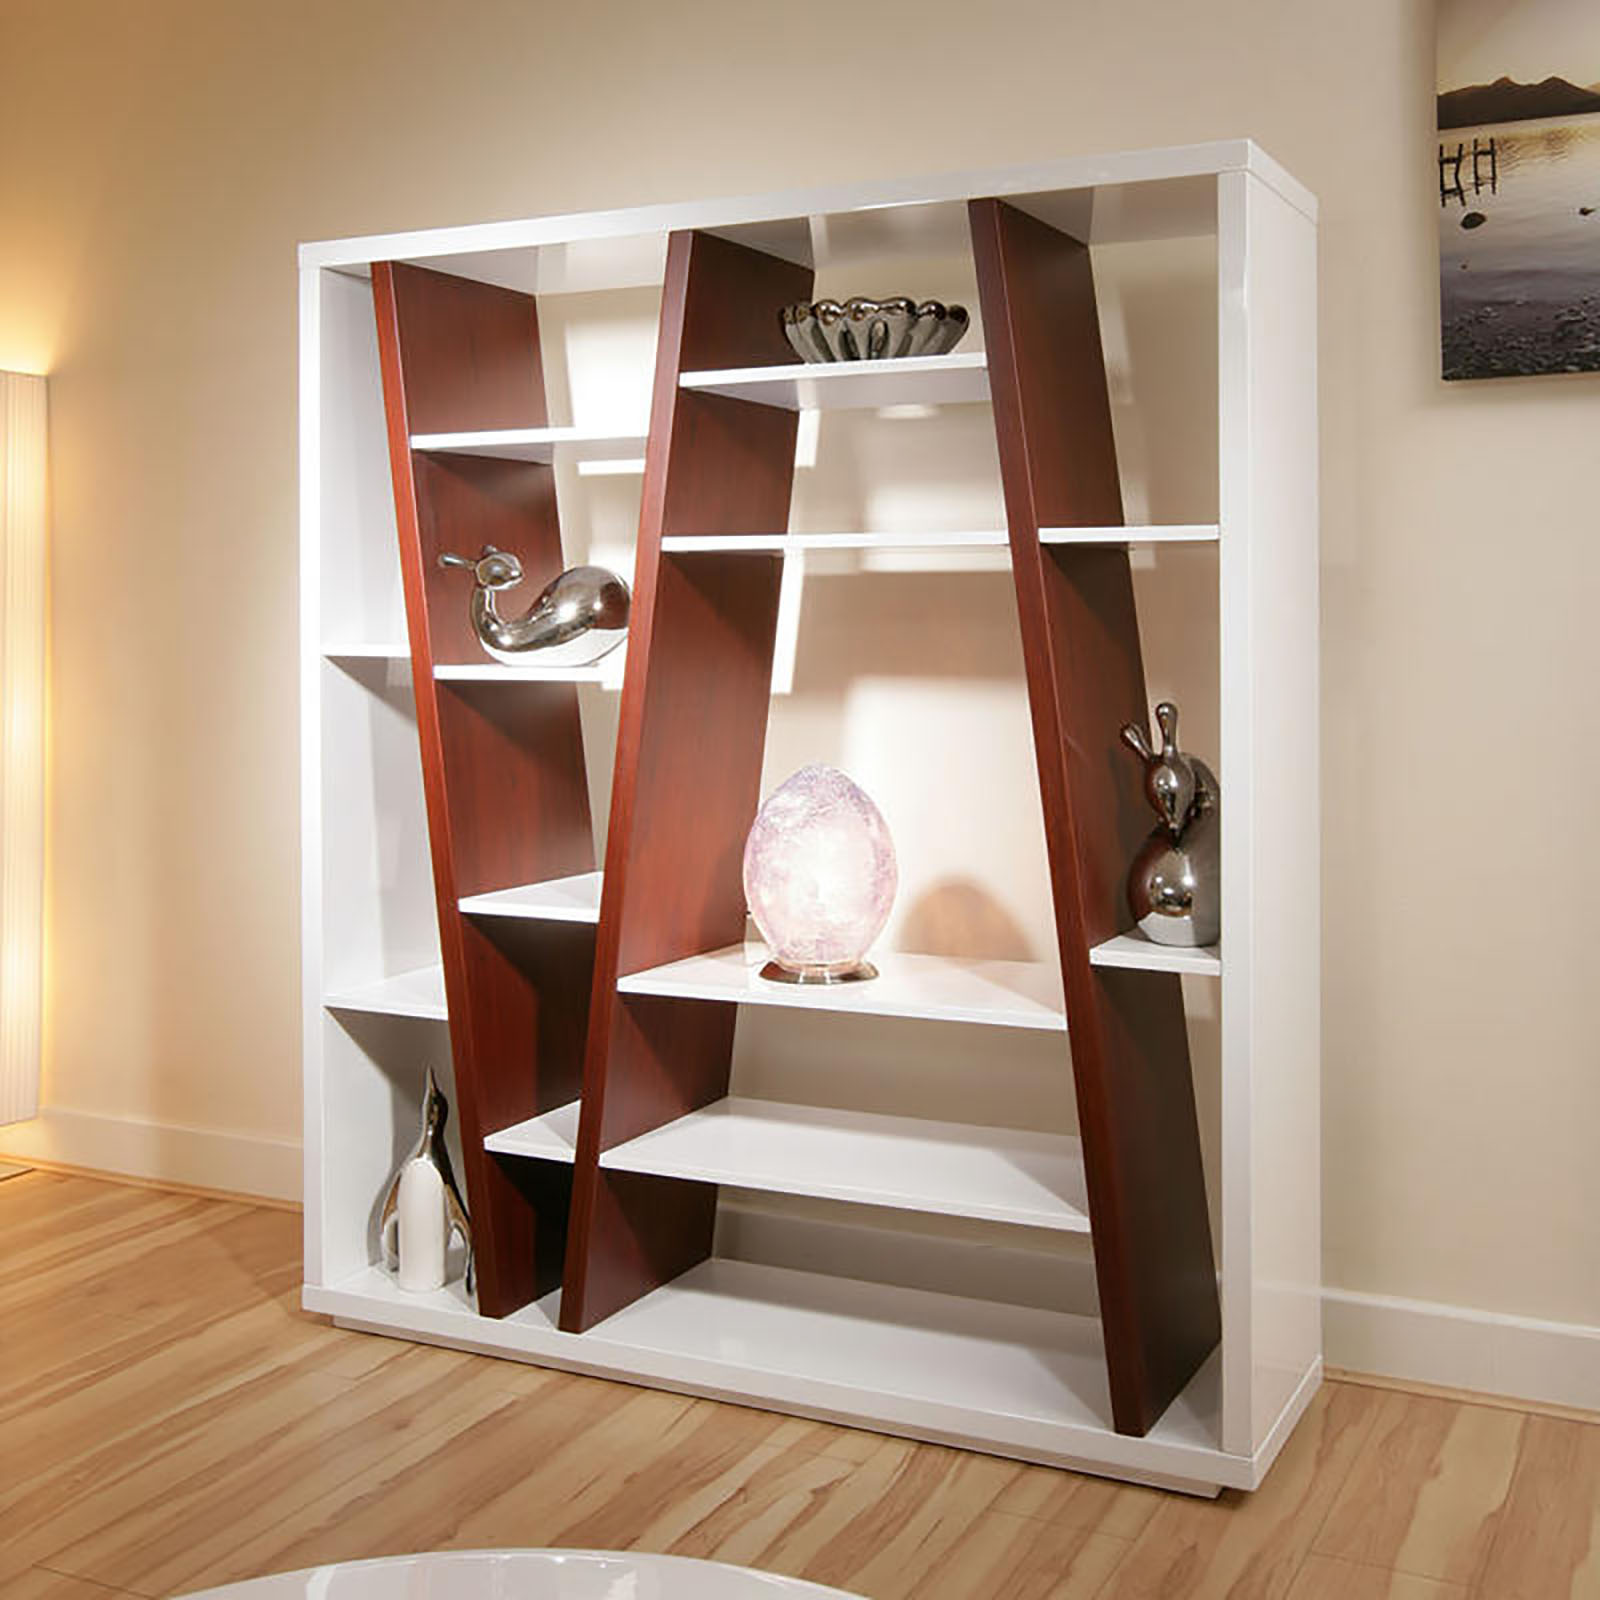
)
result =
(1416, 1341)
(199, 1158)
(1459, 1347)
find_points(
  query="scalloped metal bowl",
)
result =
(862, 329)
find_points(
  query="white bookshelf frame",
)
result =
(939, 1367)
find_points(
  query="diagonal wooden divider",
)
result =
(507, 802)
(502, 763)
(688, 772)
(1080, 642)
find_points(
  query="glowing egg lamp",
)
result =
(819, 877)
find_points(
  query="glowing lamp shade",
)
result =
(22, 591)
(819, 877)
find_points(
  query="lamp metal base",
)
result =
(773, 972)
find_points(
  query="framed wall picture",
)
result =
(1519, 187)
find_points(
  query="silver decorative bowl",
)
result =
(860, 329)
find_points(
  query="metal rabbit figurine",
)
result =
(429, 1148)
(1175, 882)
(580, 616)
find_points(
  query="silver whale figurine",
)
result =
(578, 617)
(1175, 882)
(430, 1146)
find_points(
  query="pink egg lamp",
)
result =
(819, 878)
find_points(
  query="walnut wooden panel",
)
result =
(688, 771)
(736, 467)
(1096, 678)
(1080, 639)
(502, 763)
(513, 764)
(645, 1232)
(537, 976)
(470, 351)
(464, 503)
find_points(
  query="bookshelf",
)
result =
(527, 879)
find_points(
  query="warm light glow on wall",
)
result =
(23, 525)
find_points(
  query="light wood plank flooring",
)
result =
(171, 1420)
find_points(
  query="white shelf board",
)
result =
(574, 899)
(603, 672)
(377, 1287)
(551, 1136)
(1146, 533)
(535, 444)
(813, 1329)
(1008, 994)
(496, 672)
(986, 539)
(1145, 955)
(909, 1163)
(956, 379)
(959, 1371)
(397, 650)
(1179, 181)
(419, 993)
(581, 266)
(784, 543)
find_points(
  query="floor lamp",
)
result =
(23, 524)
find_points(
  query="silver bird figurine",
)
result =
(579, 616)
(430, 1147)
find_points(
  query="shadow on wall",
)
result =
(957, 917)
(906, 624)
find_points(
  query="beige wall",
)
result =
(158, 162)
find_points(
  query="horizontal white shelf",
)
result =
(819, 1330)
(607, 672)
(552, 1136)
(495, 672)
(781, 543)
(956, 379)
(968, 1372)
(987, 539)
(1101, 198)
(377, 1291)
(909, 1163)
(534, 444)
(396, 650)
(574, 899)
(1134, 533)
(419, 993)
(1007, 994)
(1135, 951)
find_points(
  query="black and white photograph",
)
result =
(1519, 187)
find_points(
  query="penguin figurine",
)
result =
(430, 1147)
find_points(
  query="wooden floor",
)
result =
(171, 1420)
